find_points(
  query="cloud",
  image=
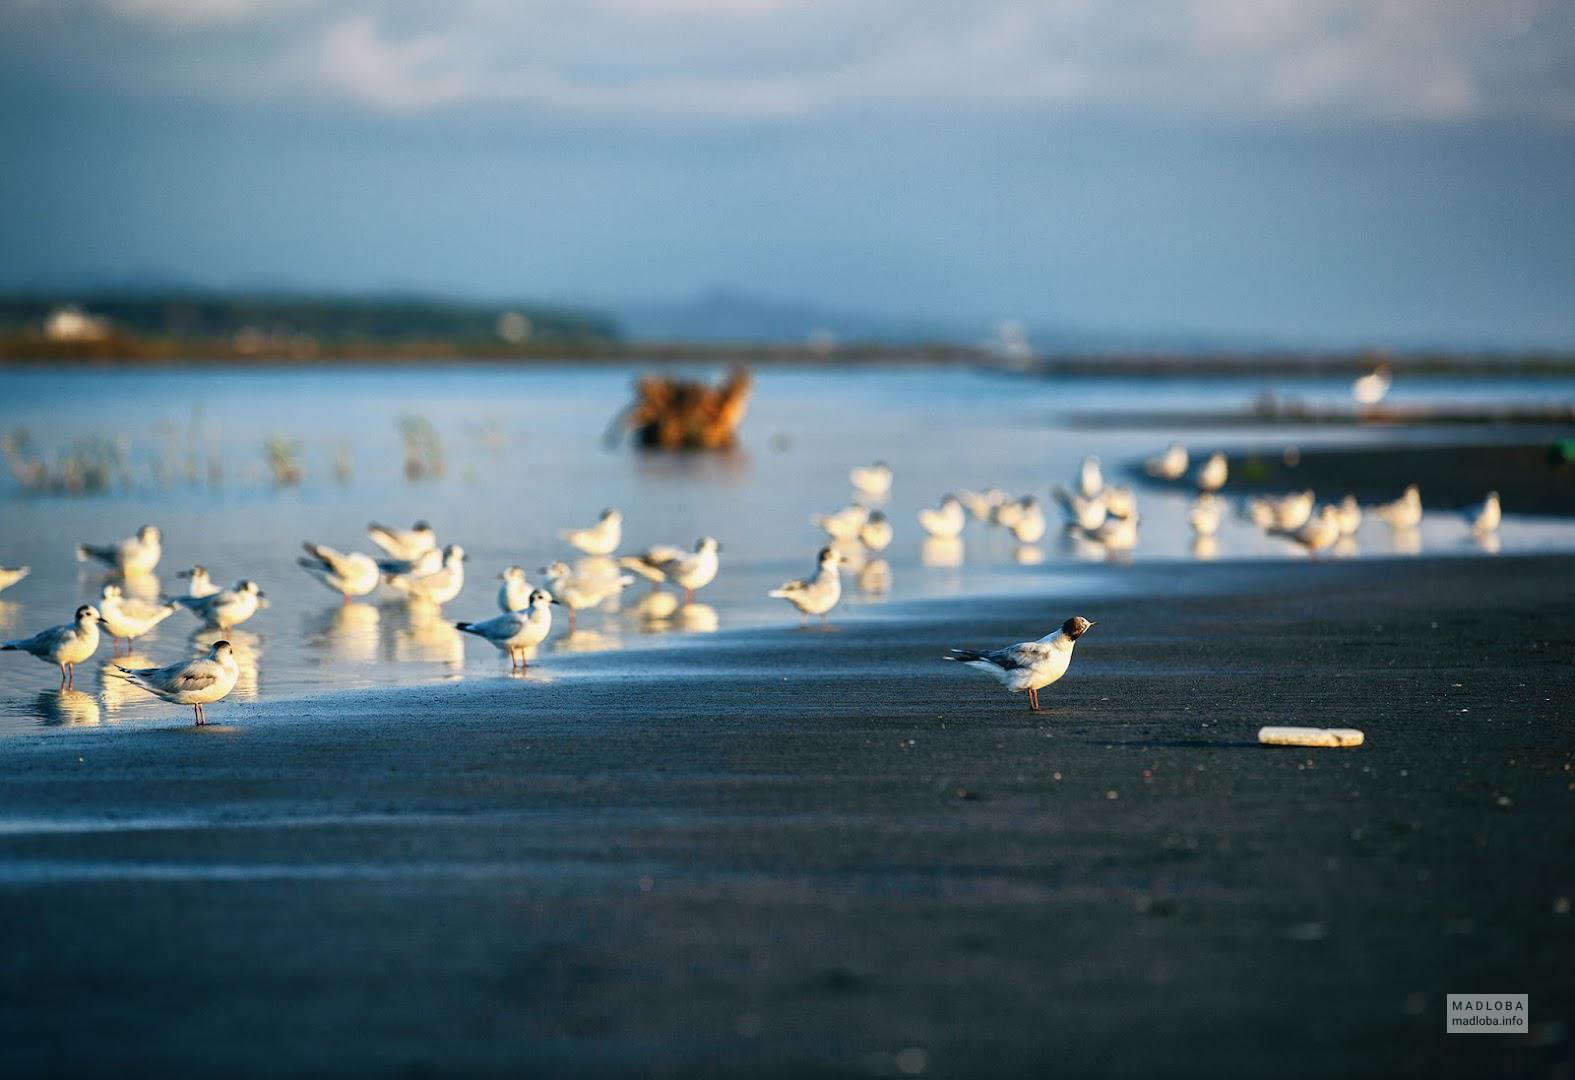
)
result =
(1345, 61)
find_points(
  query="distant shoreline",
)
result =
(138, 353)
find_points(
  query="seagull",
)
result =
(1007, 514)
(1116, 534)
(403, 543)
(1322, 531)
(1030, 525)
(1213, 473)
(1405, 512)
(67, 645)
(1120, 502)
(577, 591)
(875, 534)
(871, 480)
(689, 570)
(438, 587)
(130, 619)
(197, 683)
(515, 592)
(819, 594)
(346, 573)
(1083, 512)
(1030, 665)
(134, 555)
(844, 524)
(1373, 387)
(1204, 516)
(429, 561)
(599, 539)
(9, 576)
(1485, 516)
(517, 632)
(1285, 514)
(226, 608)
(1350, 515)
(945, 523)
(1090, 480)
(981, 504)
(199, 583)
(1171, 465)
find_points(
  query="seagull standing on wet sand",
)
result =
(134, 555)
(9, 576)
(1405, 512)
(227, 608)
(346, 573)
(1090, 480)
(1171, 465)
(1485, 516)
(197, 683)
(66, 645)
(198, 583)
(602, 538)
(689, 570)
(578, 591)
(844, 524)
(1029, 666)
(516, 632)
(945, 523)
(1213, 473)
(819, 594)
(403, 543)
(515, 591)
(873, 481)
(875, 534)
(438, 587)
(130, 619)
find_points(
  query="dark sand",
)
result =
(802, 854)
(1528, 479)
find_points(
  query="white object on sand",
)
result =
(1310, 736)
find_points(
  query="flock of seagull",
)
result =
(412, 563)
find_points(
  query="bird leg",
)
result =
(689, 596)
(344, 600)
(71, 675)
(1033, 701)
(62, 676)
(571, 620)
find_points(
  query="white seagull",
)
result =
(1120, 502)
(67, 645)
(226, 608)
(1350, 515)
(1284, 514)
(981, 504)
(1171, 465)
(438, 587)
(844, 524)
(1405, 512)
(689, 570)
(10, 575)
(577, 590)
(197, 683)
(945, 523)
(134, 555)
(602, 538)
(1213, 473)
(819, 594)
(198, 582)
(1373, 387)
(1090, 480)
(429, 561)
(1320, 532)
(515, 591)
(875, 534)
(1205, 514)
(1029, 666)
(517, 632)
(871, 480)
(1083, 512)
(346, 573)
(1029, 528)
(403, 543)
(1485, 516)
(130, 619)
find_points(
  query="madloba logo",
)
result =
(1487, 1014)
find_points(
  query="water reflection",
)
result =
(1028, 555)
(698, 618)
(1405, 541)
(117, 692)
(1205, 548)
(875, 578)
(583, 640)
(66, 708)
(941, 551)
(657, 607)
(1488, 542)
(347, 634)
(422, 633)
(9, 610)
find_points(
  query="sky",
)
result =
(1349, 172)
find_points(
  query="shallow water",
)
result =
(523, 458)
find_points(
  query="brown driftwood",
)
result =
(684, 414)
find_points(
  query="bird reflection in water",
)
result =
(117, 692)
(347, 634)
(245, 646)
(875, 578)
(1488, 542)
(1028, 555)
(421, 632)
(66, 708)
(1405, 541)
(941, 551)
(9, 609)
(585, 640)
(1205, 548)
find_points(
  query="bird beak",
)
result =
(555, 600)
(500, 577)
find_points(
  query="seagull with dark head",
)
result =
(1029, 666)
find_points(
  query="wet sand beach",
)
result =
(802, 853)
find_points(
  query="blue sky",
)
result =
(1318, 171)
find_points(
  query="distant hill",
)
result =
(199, 315)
